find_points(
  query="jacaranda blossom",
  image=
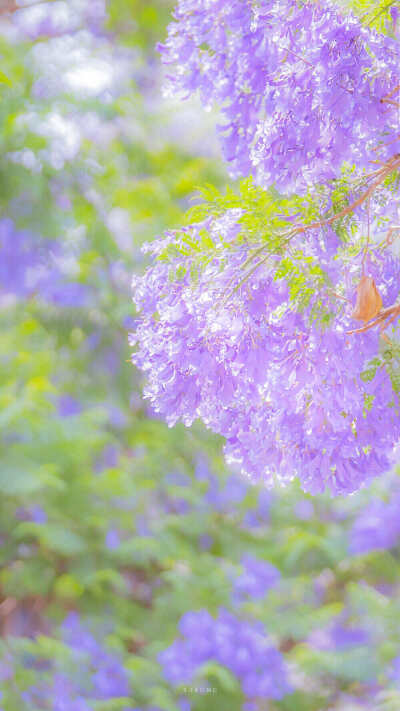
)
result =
(261, 348)
(239, 645)
(283, 389)
(301, 87)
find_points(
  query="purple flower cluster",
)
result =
(258, 577)
(20, 262)
(59, 19)
(236, 644)
(218, 497)
(109, 678)
(100, 676)
(377, 527)
(30, 266)
(284, 390)
(394, 672)
(338, 637)
(259, 516)
(34, 513)
(298, 96)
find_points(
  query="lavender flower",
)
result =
(337, 637)
(112, 540)
(100, 674)
(30, 266)
(394, 672)
(259, 516)
(297, 97)
(68, 406)
(220, 498)
(39, 21)
(240, 646)
(259, 576)
(34, 513)
(285, 391)
(377, 527)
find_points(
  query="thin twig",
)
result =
(392, 164)
(390, 101)
(385, 145)
(381, 11)
(338, 296)
(390, 167)
(391, 311)
(391, 319)
(368, 238)
(286, 49)
(392, 93)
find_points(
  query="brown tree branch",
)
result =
(384, 318)
(392, 164)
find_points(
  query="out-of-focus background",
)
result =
(135, 571)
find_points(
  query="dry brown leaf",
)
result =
(369, 300)
(7, 6)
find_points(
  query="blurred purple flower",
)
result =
(177, 479)
(129, 323)
(394, 671)
(239, 645)
(68, 406)
(108, 459)
(142, 526)
(377, 527)
(259, 576)
(221, 498)
(60, 18)
(112, 539)
(259, 516)
(66, 293)
(117, 417)
(205, 542)
(31, 266)
(34, 513)
(109, 679)
(304, 510)
(337, 637)
(6, 670)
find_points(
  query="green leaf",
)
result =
(4, 79)
(223, 676)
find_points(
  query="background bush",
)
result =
(114, 528)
